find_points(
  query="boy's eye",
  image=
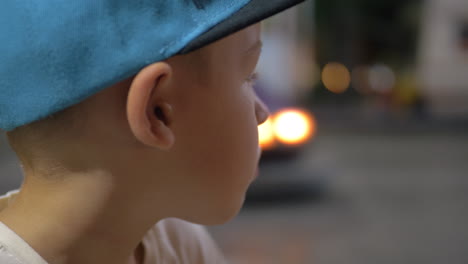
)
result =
(252, 79)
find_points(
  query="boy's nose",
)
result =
(261, 111)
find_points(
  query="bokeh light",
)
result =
(294, 126)
(381, 78)
(360, 80)
(336, 77)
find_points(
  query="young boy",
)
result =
(125, 114)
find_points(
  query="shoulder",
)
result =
(181, 242)
(14, 250)
(7, 257)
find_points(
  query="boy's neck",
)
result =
(84, 219)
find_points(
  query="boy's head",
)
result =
(181, 132)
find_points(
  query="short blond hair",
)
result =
(53, 132)
(28, 140)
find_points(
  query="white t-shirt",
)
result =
(171, 241)
(14, 250)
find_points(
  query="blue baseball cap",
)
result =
(57, 53)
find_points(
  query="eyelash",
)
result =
(252, 79)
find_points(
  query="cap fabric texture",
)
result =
(56, 53)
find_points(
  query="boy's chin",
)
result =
(221, 214)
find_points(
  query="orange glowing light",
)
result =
(336, 77)
(266, 135)
(294, 127)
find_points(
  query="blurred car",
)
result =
(286, 133)
(289, 131)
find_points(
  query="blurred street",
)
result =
(385, 179)
(393, 198)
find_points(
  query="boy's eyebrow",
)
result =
(258, 45)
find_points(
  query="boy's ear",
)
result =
(149, 114)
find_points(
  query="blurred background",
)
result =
(365, 156)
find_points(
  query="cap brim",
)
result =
(255, 11)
